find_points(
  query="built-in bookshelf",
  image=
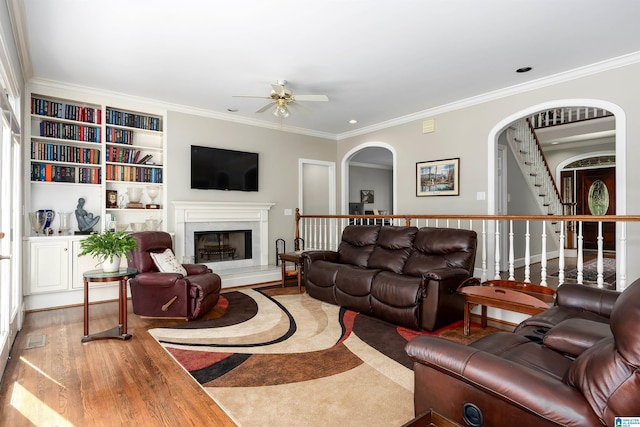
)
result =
(100, 153)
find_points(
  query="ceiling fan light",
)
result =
(281, 112)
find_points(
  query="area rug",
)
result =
(590, 271)
(292, 360)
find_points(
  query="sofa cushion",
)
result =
(441, 248)
(396, 298)
(353, 288)
(393, 248)
(357, 244)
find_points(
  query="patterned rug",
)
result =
(291, 360)
(590, 271)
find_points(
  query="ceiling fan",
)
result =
(282, 97)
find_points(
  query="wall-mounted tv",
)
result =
(221, 169)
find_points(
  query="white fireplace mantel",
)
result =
(190, 212)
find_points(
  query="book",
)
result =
(144, 159)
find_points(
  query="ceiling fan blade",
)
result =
(266, 107)
(278, 89)
(249, 96)
(310, 98)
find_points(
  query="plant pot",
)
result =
(111, 265)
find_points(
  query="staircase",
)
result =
(525, 146)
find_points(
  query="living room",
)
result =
(466, 128)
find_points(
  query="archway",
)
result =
(620, 148)
(374, 148)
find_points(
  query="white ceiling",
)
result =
(377, 61)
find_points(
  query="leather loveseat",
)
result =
(404, 275)
(585, 372)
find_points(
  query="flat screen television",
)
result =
(221, 169)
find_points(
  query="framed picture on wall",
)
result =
(366, 196)
(438, 178)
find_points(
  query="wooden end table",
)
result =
(511, 295)
(296, 258)
(121, 276)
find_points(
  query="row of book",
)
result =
(69, 131)
(119, 136)
(134, 174)
(44, 107)
(126, 155)
(64, 153)
(120, 118)
(54, 173)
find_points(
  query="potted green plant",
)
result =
(108, 247)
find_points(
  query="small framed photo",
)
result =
(112, 199)
(366, 196)
(438, 178)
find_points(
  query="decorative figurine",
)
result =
(86, 220)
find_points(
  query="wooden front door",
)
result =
(596, 190)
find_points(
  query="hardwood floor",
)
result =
(105, 382)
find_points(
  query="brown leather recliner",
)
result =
(505, 379)
(157, 294)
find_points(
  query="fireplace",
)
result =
(222, 245)
(225, 217)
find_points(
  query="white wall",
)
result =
(370, 178)
(277, 171)
(464, 133)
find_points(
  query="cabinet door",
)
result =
(80, 265)
(49, 263)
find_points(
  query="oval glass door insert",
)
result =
(598, 198)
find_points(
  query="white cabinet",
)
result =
(48, 260)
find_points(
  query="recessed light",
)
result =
(523, 69)
(232, 110)
(353, 121)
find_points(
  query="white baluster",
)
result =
(527, 254)
(511, 254)
(561, 256)
(599, 262)
(497, 254)
(543, 254)
(621, 275)
(580, 261)
(483, 243)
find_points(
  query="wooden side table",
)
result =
(121, 276)
(296, 258)
(521, 297)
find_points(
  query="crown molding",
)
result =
(167, 106)
(587, 70)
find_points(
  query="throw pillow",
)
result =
(167, 263)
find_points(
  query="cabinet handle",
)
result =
(65, 249)
(5, 256)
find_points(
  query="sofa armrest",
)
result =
(445, 273)
(157, 279)
(595, 300)
(193, 269)
(573, 336)
(310, 256)
(501, 379)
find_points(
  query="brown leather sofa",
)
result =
(404, 275)
(578, 307)
(157, 294)
(506, 379)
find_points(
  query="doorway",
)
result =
(596, 195)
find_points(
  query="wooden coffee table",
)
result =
(511, 295)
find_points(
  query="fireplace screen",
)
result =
(216, 246)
